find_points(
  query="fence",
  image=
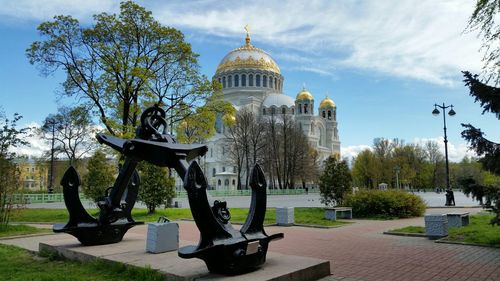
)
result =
(29, 198)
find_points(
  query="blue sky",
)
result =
(384, 63)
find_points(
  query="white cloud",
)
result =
(352, 150)
(421, 40)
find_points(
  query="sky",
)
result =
(384, 63)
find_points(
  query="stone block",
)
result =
(458, 219)
(285, 216)
(436, 226)
(162, 237)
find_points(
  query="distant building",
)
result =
(33, 174)
(251, 79)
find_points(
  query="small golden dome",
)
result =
(304, 95)
(327, 102)
(229, 119)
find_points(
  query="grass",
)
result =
(308, 216)
(18, 264)
(410, 229)
(15, 230)
(479, 231)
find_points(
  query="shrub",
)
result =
(385, 204)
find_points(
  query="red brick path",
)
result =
(361, 252)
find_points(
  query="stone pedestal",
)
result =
(458, 219)
(285, 216)
(162, 237)
(436, 226)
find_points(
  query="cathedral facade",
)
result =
(251, 79)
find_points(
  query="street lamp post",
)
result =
(449, 193)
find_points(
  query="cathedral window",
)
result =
(234, 169)
(264, 81)
(243, 80)
(293, 110)
(236, 81)
(234, 182)
(226, 182)
(250, 80)
(223, 169)
(283, 110)
(263, 111)
(334, 115)
(273, 110)
(300, 108)
(214, 171)
(224, 82)
(230, 81)
(270, 82)
(329, 115)
(219, 183)
(305, 108)
(323, 114)
(275, 83)
(257, 80)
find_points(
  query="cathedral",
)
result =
(251, 79)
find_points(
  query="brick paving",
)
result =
(361, 252)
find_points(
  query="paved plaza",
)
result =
(360, 251)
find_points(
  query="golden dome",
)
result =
(327, 102)
(304, 95)
(247, 57)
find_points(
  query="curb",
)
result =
(405, 234)
(442, 241)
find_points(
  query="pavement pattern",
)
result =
(361, 252)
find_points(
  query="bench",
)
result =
(458, 219)
(338, 212)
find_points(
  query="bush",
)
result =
(385, 204)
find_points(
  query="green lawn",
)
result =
(479, 231)
(14, 230)
(309, 216)
(18, 264)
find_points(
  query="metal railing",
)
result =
(29, 198)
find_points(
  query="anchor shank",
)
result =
(122, 181)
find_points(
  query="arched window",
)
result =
(312, 109)
(219, 182)
(300, 108)
(250, 80)
(334, 115)
(275, 83)
(223, 169)
(293, 110)
(234, 169)
(283, 110)
(323, 114)
(243, 80)
(220, 81)
(264, 81)
(214, 171)
(257, 80)
(230, 81)
(263, 111)
(236, 81)
(226, 182)
(270, 82)
(273, 110)
(224, 82)
(329, 114)
(234, 182)
(305, 108)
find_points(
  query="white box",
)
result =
(162, 237)
(285, 216)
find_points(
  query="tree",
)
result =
(121, 64)
(72, 130)
(99, 178)
(335, 182)
(10, 137)
(156, 186)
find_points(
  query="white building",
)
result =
(251, 79)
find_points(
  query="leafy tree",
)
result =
(99, 178)
(122, 63)
(72, 130)
(156, 186)
(335, 182)
(10, 137)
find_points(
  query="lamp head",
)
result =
(435, 112)
(451, 112)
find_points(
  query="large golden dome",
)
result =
(327, 102)
(247, 57)
(304, 95)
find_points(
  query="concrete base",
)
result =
(131, 251)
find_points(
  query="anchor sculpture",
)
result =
(222, 248)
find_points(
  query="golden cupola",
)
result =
(247, 57)
(327, 102)
(304, 95)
